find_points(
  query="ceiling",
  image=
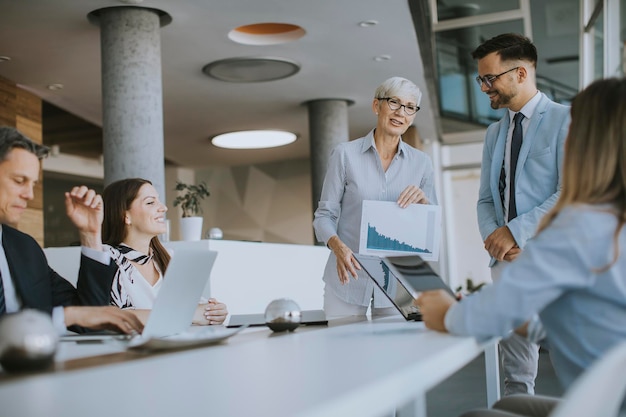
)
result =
(52, 42)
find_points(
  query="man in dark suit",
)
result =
(26, 279)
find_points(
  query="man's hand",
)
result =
(103, 318)
(500, 242)
(434, 305)
(346, 263)
(85, 209)
(512, 254)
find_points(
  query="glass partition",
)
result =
(554, 32)
(453, 9)
(622, 37)
(460, 95)
(598, 48)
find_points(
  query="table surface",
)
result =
(362, 368)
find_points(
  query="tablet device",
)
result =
(416, 274)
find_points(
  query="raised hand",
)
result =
(85, 209)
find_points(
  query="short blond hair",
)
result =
(398, 86)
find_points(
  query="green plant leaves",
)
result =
(190, 200)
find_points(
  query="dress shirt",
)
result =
(527, 111)
(12, 299)
(562, 276)
(355, 173)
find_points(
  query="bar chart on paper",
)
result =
(388, 230)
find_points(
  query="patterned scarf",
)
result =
(123, 255)
(133, 255)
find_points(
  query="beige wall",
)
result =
(22, 110)
(268, 203)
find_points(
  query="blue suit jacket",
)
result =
(538, 173)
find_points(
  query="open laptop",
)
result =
(169, 321)
(185, 278)
(401, 279)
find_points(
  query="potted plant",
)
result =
(189, 201)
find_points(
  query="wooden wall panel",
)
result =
(31, 128)
(32, 223)
(37, 202)
(28, 107)
(22, 110)
(7, 103)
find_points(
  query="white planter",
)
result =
(191, 228)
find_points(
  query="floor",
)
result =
(466, 389)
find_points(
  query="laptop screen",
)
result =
(389, 283)
(186, 277)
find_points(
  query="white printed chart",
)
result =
(389, 230)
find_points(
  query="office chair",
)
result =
(600, 390)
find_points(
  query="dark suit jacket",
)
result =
(95, 281)
(38, 285)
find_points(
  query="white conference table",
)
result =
(364, 368)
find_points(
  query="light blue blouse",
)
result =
(562, 275)
(355, 173)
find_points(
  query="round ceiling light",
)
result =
(251, 69)
(266, 33)
(253, 139)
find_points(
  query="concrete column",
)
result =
(132, 98)
(328, 127)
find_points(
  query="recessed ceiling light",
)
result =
(368, 23)
(251, 69)
(266, 33)
(382, 58)
(5, 58)
(55, 87)
(253, 139)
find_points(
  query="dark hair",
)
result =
(11, 138)
(118, 197)
(510, 46)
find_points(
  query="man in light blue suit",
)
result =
(521, 173)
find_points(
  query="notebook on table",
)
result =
(401, 279)
(308, 317)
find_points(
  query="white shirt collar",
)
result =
(529, 108)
